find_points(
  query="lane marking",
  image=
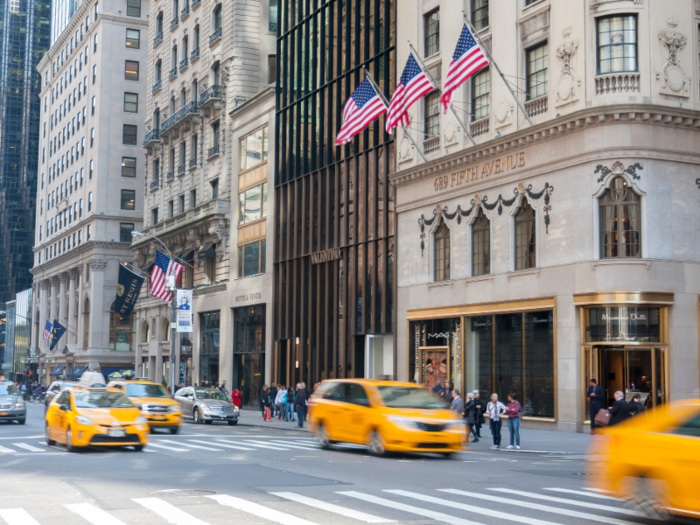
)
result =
(92, 514)
(336, 509)
(571, 502)
(17, 517)
(259, 511)
(4, 450)
(587, 494)
(471, 508)
(29, 447)
(294, 445)
(24, 437)
(192, 446)
(219, 444)
(168, 512)
(545, 508)
(408, 508)
(166, 447)
(267, 446)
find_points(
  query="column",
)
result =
(53, 297)
(72, 326)
(99, 316)
(79, 311)
(63, 280)
(43, 306)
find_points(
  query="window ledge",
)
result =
(208, 289)
(478, 279)
(622, 261)
(440, 284)
(521, 273)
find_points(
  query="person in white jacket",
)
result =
(280, 400)
(494, 410)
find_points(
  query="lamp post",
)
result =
(171, 285)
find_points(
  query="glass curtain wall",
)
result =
(329, 196)
(209, 324)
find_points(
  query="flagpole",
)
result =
(427, 72)
(491, 60)
(379, 92)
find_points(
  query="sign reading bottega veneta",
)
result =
(480, 171)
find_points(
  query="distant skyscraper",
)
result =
(23, 41)
(61, 13)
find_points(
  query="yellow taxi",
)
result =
(387, 416)
(155, 402)
(94, 415)
(651, 460)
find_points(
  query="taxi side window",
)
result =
(55, 388)
(690, 427)
(64, 399)
(335, 392)
(357, 395)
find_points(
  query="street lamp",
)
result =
(174, 359)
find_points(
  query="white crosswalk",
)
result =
(452, 506)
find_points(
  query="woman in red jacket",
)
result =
(236, 397)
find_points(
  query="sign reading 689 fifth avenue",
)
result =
(480, 171)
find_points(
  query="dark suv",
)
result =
(12, 406)
(55, 389)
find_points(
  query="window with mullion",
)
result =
(432, 115)
(481, 89)
(617, 44)
(480, 14)
(620, 222)
(442, 252)
(432, 33)
(525, 237)
(481, 245)
(537, 71)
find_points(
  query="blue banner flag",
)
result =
(58, 331)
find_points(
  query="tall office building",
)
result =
(24, 38)
(334, 240)
(61, 13)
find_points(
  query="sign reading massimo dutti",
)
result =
(480, 171)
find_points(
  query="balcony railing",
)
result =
(617, 83)
(479, 127)
(431, 145)
(213, 152)
(152, 136)
(196, 4)
(155, 182)
(174, 22)
(181, 169)
(170, 176)
(193, 163)
(194, 55)
(179, 115)
(213, 93)
(185, 12)
(156, 86)
(216, 35)
(183, 63)
(158, 39)
(537, 106)
(173, 72)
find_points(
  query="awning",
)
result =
(209, 252)
(188, 256)
(57, 370)
(76, 372)
(106, 370)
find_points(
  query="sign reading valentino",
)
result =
(480, 171)
(326, 255)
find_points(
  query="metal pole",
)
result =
(427, 72)
(491, 61)
(173, 334)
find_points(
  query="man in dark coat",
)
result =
(480, 407)
(620, 410)
(300, 404)
(595, 394)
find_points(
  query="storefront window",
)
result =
(249, 350)
(436, 352)
(539, 365)
(508, 360)
(122, 332)
(185, 359)
(209, 324)
(479, 366)
(623, 323)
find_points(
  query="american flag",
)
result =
(413, 84)
(48, 329)
(163, 268)
(363, 106)
(467, 59)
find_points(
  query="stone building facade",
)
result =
(89, 196)
(210, 65)
(543, 255)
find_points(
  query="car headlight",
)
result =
(19, 404)
(141, 420)
(403, 422)
(175, 408)
(83, 420)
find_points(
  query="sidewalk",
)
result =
(254, 418)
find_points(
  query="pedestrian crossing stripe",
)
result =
(17, 517)
(170, 512)
(582, 493)
(259, 510)
(93, 514)
(330, 507)
(586, 504)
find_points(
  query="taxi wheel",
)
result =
(649, 498)
(22, 421)
(175, 430)
(197, 416)
(138, 448)
(376, 444)
(69, 441)
(322, 437)
(50, 442)
(447, 455)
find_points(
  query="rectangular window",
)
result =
(537, 71)
(94, 43)
(251, 259)
(92, 137)
(171, 209)
(253, 149)
(432, 33)
(133, 38)
(128, 166)
(480, 14)
(181, 204)
(125, 229)
(89, 231)
(92, 166)
(272, 21)
(193, 198)
(481, 87)
(128, 200)
(252, 204)
(80, 211)
(133, 8)
(94, 103)
(131, 70)
(89, 202)
(271, 69)
(214, 189)
(215, 134)
(154, 216)
(131, 102)
(129, 135)
(617, 44)
(94, 74)
(432, 115)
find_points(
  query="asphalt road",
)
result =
(218, 474)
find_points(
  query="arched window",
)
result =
(620, 224)
(165, 330)
(159, 73)
(525, 237)
(145, 332)
(442, 252)
(122, 332)
(156, 119)
(216, 21)
(86, 324)
(481, 245)
(185, 47)
(216, 74)
(159, 24)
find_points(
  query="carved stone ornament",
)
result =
(451, 134)
(405, 150)
(503, 114)
(672, 78)
(566, 90)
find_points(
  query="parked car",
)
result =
(155, 402)
(12, 406)
(206, 405)
(55, 389)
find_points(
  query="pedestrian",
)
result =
(636, 405)
(273, 394)
(279, 401)
(480, 407)
(494, 409)
(513, 413)
(447, 393)
(470, 415)
(620, 411)
(289, 405)
(223, 389)
(267, 403)
(236, 397)
(262, 405)
(300, 404)
(595, 394)
(456, 404)
(438, 388)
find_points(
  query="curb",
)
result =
(294, 427)
(548, 452)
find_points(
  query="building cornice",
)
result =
(59, 263)
(587, 118)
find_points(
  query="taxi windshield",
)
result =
(8, 390)
(410, 397)
(101, 400)
(203, 393)
(140, 390)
